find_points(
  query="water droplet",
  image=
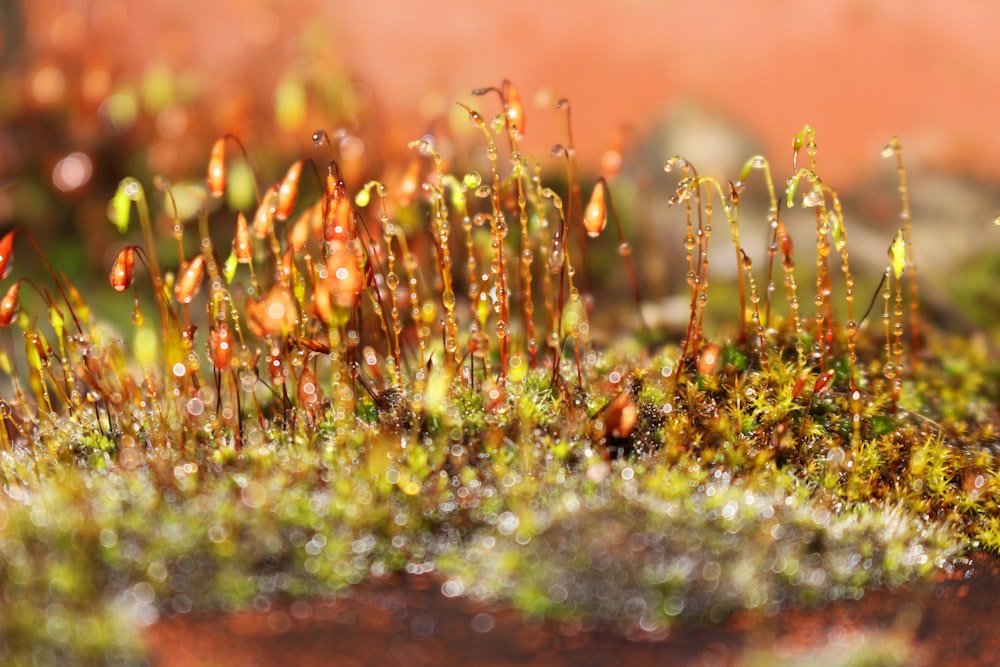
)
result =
(812, 198)
(472, 180)
(556, 257)
(675, 161)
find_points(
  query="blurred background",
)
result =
(94, 90)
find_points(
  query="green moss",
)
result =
(451, 425)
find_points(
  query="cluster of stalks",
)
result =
(336, 311)
(826, 344)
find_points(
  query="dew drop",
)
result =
(556, 257)
(498, 122)
(472, 180)
(812, 198)
(195, 407)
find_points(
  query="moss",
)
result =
(352, 396)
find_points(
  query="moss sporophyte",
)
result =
(404, 376)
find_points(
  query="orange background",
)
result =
(857, 71)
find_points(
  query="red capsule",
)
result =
(242, 243)
(189, 278)
(515, 110)
(6, 253)
(217, 168)
(123, 270)
(288, 191)
(621, 415)
(595, 216)
(9, 305)
(823, 381)
(274, 315)
(276, 366)
(344, 277)
(785, 243)
(220, 346)
(309, 394)
(708, 362)
(263, 220)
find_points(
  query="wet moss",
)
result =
(367, 400)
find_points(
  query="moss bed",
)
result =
(404, 378)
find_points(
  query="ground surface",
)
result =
(408, 622)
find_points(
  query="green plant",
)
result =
(344, 406)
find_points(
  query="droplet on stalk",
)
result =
(897, 255)
(364, 195)
(675, 161)
(137, 317)
(556, 256)
(812, 198)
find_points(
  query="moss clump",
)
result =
(403, 378)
